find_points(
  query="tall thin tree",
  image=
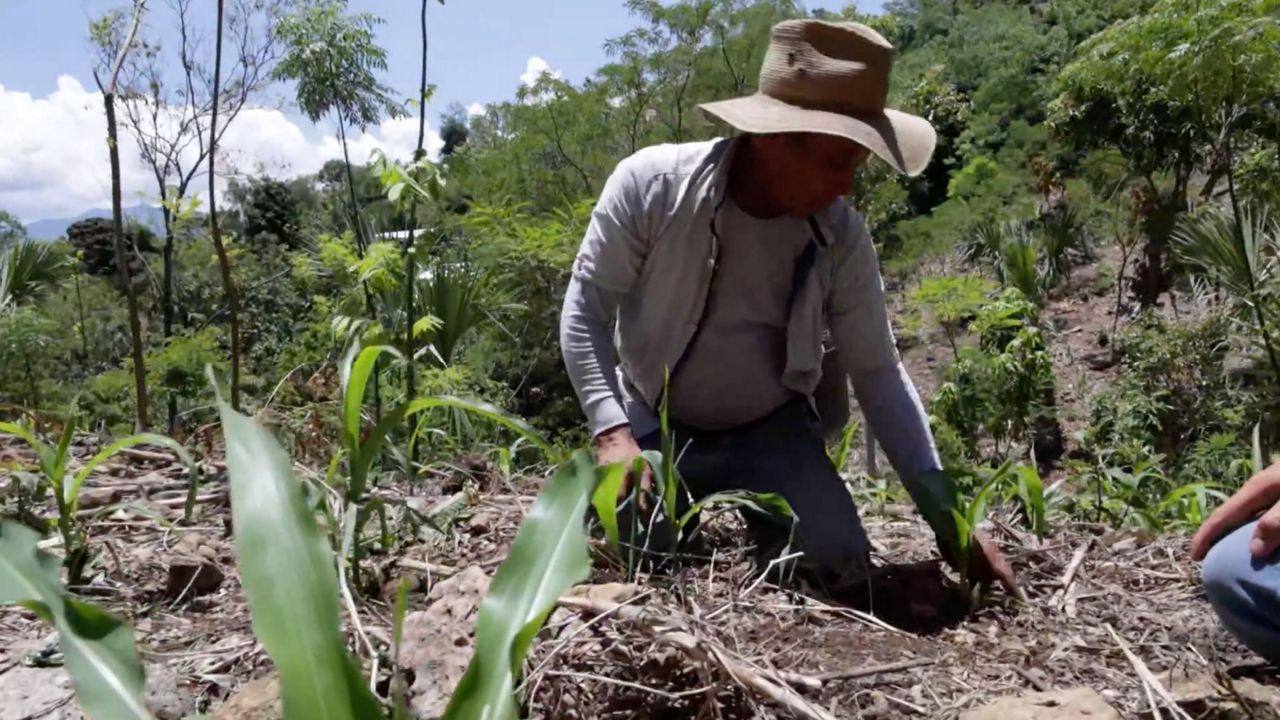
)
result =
(172, 122)
(224, 264)
(106, 34)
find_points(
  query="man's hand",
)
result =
(617, 445)
(987, 564)
(1261, 493)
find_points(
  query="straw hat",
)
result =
(832, 78)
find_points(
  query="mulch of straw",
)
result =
(712, 641)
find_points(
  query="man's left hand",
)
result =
(987, 564)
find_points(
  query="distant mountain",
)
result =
(54, 228)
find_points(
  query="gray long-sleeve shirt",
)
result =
(886, 394)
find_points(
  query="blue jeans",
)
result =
(782, 453)
(1245, 592)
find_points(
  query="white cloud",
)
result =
(53, 159)
(535, 68)
(475, 109)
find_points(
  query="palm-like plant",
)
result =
(27, 270)
(1237, 253)
(1020, 261)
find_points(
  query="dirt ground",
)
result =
(1091, 594)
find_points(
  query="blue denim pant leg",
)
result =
(783, 454)
(1245, 592)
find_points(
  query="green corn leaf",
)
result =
(73, 490)
(289, 579)
(364, 456)
(1031, 492)
(355, 378)
(850, 433)
(62, 452)
(769, 503)
(44, 453)
(605, 497)
(98, 648)
(548, 556)
(489, 412)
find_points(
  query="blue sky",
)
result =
(479, 49)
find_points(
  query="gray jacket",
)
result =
(652, 241)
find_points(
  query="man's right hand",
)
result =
(617, 445)
(1261, 492)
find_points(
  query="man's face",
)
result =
(811, 170)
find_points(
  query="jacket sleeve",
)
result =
(585, 324)
(860, 327)
(614, 246)
(607, 265)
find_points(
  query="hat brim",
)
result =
(903, 140)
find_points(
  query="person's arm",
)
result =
(900, 425)
(859, 322)
(586, 345)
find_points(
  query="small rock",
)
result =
(1204, 696)
(391, 588)
(256, 700)
(605, 592)
(166, 696)
(480, 524)
(1075, 704)
(208, 552)
(91, 498)
(191, 578)
(1100, 361)
(437, 642)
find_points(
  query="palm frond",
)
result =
(28, 269)
(1240, 259)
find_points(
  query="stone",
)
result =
(480, 524)
(91, 498)
(166, 695)
(192, 578)
(437, 642)
(31, 692)
(1205, 696)
(1075, 704)
(257, 699)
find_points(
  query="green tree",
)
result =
(1178, 89)
(172, 115)
(11, 229)
(332, 59)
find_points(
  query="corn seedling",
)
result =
(55, 467)
(1028, 488)
(289, 577)
(967, 518)
(548, 555)
(840, 453)
(97, 648)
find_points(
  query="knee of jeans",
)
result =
(1227, 566)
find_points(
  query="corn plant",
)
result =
(968, 515)
(1028, 489)
(840, 453)
(362, 448)
(548, 555)
(54, 460)
(98, 648)
(290, 579)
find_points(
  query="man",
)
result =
(723, 263)
(1240, 547)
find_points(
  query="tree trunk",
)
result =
(166, 298)
(228, 284)
(122, 263)
(410, 267)
(84, 338)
